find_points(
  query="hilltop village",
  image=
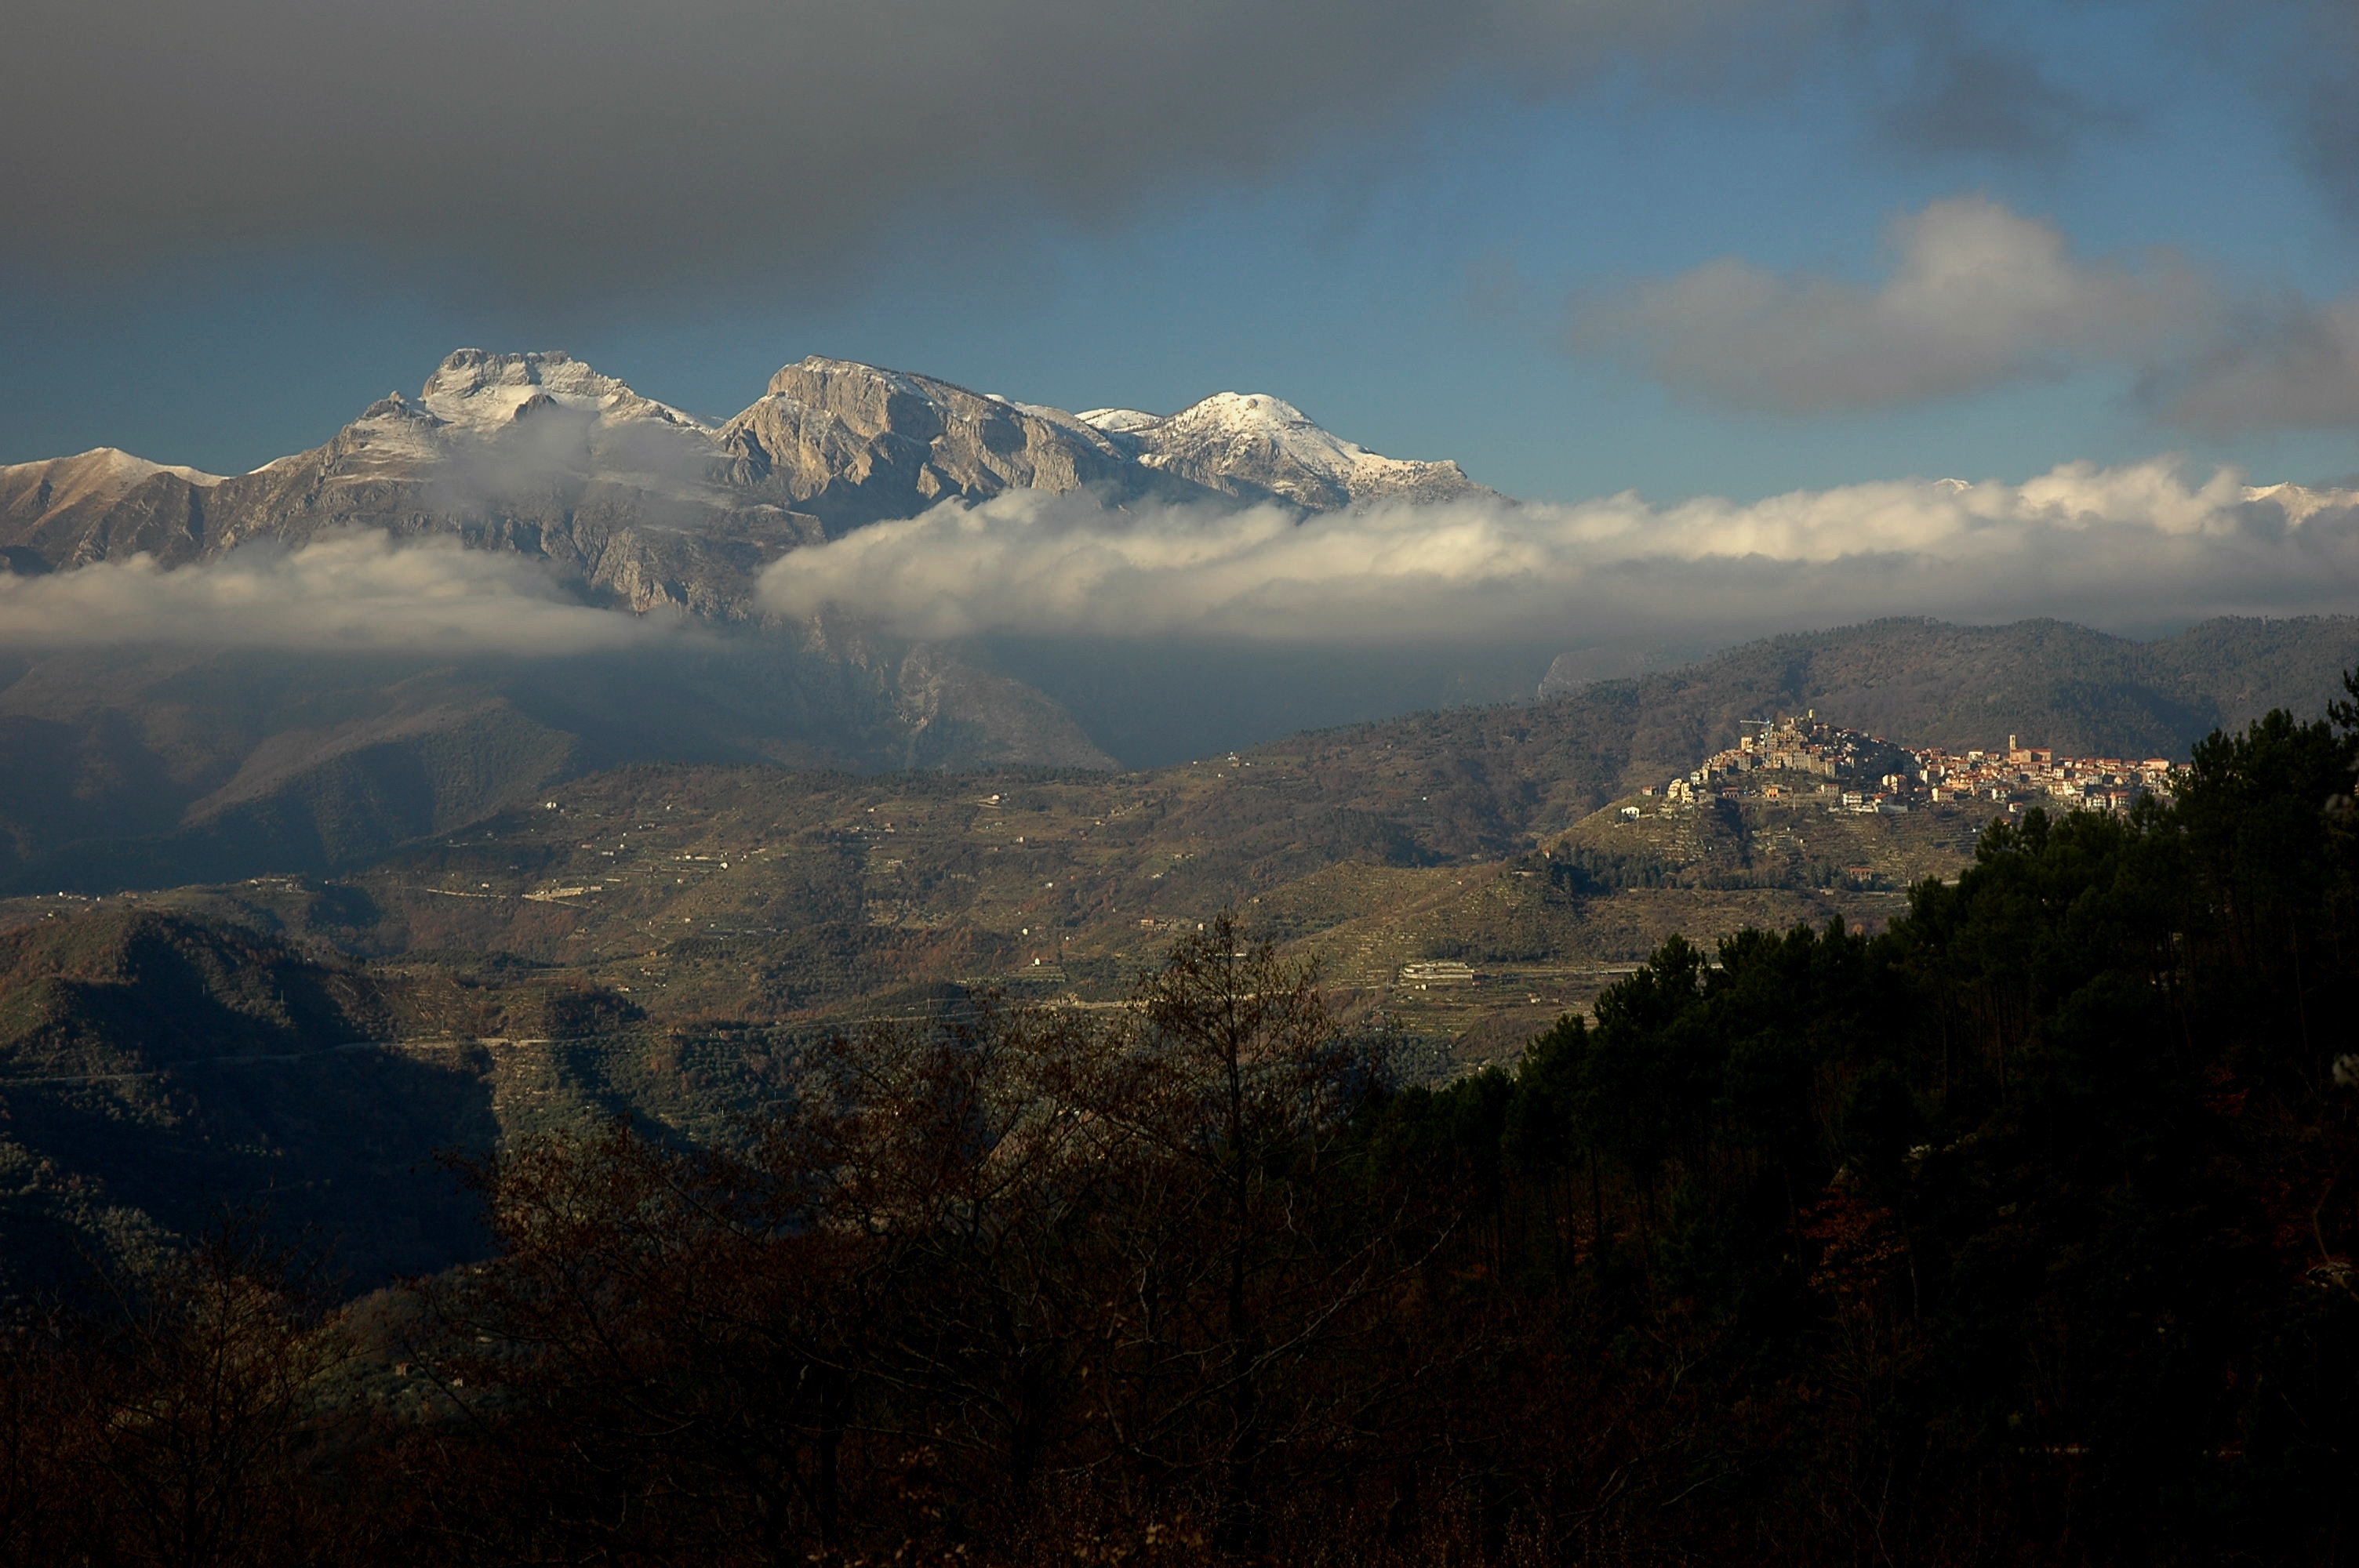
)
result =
(1783, 757)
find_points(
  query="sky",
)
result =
(1685, 248)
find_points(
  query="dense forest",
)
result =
(2020, 1231)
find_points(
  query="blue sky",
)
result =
(1407, 262)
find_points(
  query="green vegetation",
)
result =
(2020, 1230)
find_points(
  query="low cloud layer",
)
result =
(588, 143)
(1977, 295)
(2136, 547)
(346, 594)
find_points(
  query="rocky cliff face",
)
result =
(852, 444)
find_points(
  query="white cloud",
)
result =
(2135, 547)
(357, 591)
(1977, 295)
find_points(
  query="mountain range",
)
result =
(130, 762)
(635, 504)
(125, 765)
(566, 895)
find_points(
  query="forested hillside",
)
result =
(2021, 1231)
(157, 1072)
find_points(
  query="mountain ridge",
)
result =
(1256, 447)
(634, 503)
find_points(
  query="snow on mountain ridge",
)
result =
(36, 492)
(482, 391)
(1119, 421)
(542, 454)
(114, 466)
(2300, 501)
(1241, 442)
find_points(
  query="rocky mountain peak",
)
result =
(633, 501)
(814, 371)
(851, 443)
(868, 400)
(482, 391)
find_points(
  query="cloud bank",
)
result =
(587, 143)
(343, 593)
(1977, 295)
(2136, 547)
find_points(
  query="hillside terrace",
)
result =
(1781, 757)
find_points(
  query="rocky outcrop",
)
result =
(853, 444)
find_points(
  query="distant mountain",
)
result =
(140, 768)
(127, 766)
(850, 444)
(1260, 448)
(2083, 692)
(118, 768)
(637, 503)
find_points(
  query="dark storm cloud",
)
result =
(575, 145)
(2317, 81)
(2285, 364)
(2302, 57)
(1972, 99)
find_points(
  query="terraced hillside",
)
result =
(726, 897)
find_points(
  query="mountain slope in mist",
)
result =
(124, 771)
(138, 768)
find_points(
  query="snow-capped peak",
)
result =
(1255, 416)
(2300, 502)
(484, 391)
(1246, 441)
(132, 469)
(1118, 421)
